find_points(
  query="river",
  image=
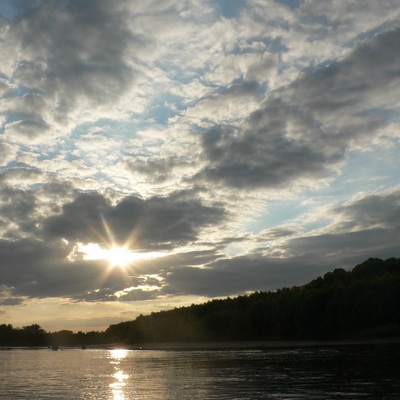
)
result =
(328, 372)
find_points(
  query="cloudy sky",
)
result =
(159, 153)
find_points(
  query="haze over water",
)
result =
(334, 372)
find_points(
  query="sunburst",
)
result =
(116, 255)
(119, 256)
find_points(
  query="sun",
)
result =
(118, 256)
(115, 256)
(109, 250)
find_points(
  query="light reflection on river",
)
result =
(341, 372)
(119, 376)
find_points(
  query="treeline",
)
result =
(364, 302)
(361, 303)
(35, 336)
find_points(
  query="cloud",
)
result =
(17, 211)
(240, 275)
(25, 129)
(361, 228)
(156, 170)
(33, 268)
(23, 209)
(11, 301)
(186, 137)
(21, 176)
(155, 222)
(253, 64)
(36, 269)
(7, 153)
(25, 260)
(229, 106)
(83, 48)
(369, 212)
(73, 59)
(364, 227)
(303, 130)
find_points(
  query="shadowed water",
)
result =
(341, 372)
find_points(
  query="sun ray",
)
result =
(117, 257)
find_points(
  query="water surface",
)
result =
(336, 372)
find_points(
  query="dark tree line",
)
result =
(364, 302)
(35, 336)
(361, 303)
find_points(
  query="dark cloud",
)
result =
(367, 227)
(38, 269)
(83, 48)
(304, 130)
(278, 233)
(17, 208)
(79, 219)
(24, 115)
(34, 268)
(22, 210)
(239, 275)
(237, 90)
(72, 56)
(374, 211)
(27, 129)
(42, 267)
(306, 258)
(139, 282)
(353, 85)
(25, 261)
(12, 301)
(169, 263)
(157, 222)
(347, 248)
(261, 155)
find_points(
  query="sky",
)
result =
(160, 153)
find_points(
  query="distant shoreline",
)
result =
(257, 345)
(234, 345)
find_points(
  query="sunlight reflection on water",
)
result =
(327, 373)
(120, 378)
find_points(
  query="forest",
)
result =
(357, 304)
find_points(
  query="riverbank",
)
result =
(237, 345)
(258, 345)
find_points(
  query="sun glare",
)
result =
(119, 257)
(115, 256)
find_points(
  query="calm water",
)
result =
(345, 372)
